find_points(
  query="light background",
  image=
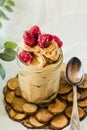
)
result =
(65, 18)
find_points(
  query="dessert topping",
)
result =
(35, 31)
(57, 39)
(29, 39)
(26, 56)
(44, 40)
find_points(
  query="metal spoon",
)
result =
(74, 76)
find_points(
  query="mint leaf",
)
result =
(9, 3)
(10, 44)
(2, 15)
(2, 2)
(0, 24)
(8, 8)
(8, 54)
(2, 72)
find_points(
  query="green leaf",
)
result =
(2, 41)
(3, 15)
(0, 24)
(10, 3)
(10, 44)
(8, 8)
(2, 72)
(8, 54)
(2, 2)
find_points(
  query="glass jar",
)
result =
(39, 85)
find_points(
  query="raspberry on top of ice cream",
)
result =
(39, 49)
(44, 40)
(57, 39)
(26, 56)
(35, 31)
(31, 36)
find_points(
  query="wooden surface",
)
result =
(46, 115)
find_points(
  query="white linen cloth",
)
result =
(65, 18)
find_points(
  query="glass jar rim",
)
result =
(40, 69)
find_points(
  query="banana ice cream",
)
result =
(39, 58)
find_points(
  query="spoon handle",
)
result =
(74, 122)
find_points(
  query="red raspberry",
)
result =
(44, 40)
(29, 39)
(26, 56)
(35, 31)
(57, 39)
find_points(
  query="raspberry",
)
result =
(57, 39)
(44, 40)
(35, 31)
(29, 39)
(26, 56)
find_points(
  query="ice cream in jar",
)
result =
(39, 59)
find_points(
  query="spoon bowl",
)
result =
(74, 71)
